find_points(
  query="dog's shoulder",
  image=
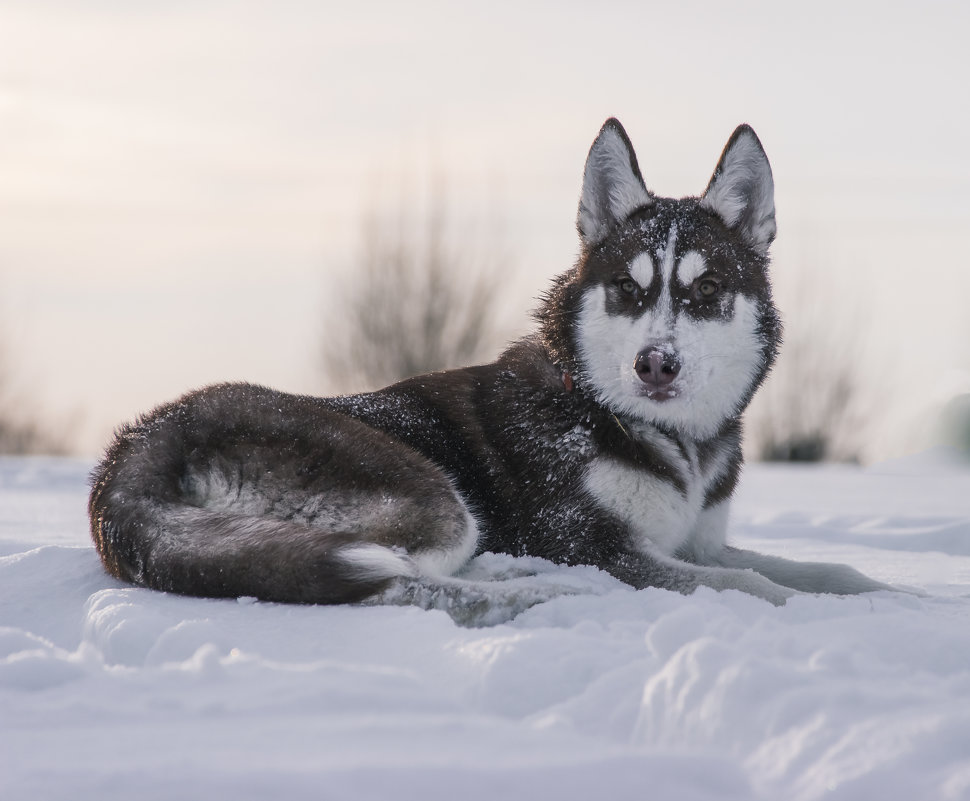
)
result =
(529, 362)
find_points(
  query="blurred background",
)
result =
(207, 191)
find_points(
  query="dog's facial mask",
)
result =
(674, 302)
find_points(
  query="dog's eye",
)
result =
(627, 285)
(708, 289)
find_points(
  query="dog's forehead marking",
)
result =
(692, 265)
(666, 257)
(641, 269)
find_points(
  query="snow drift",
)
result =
(107, 691)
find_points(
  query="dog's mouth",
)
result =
(659, 394)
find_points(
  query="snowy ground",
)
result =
(109, 692)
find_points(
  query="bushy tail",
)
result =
(149, 532)
(179, 548)
(237, 490)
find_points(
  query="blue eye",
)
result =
(627, 285)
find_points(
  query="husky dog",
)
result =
(609, 437)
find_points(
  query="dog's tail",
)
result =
(179, 548)
(152, 527)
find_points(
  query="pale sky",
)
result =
(180, 182)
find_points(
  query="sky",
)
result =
(182, 185)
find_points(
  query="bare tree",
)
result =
(819, 400)
(809, 411)
(417, 301)
(18, 438)
(20, 432)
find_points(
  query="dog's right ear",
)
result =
(612, 185)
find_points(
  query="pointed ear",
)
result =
(742, 191)
(612, 185)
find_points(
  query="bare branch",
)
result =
(417, 303)
(20, 433)
(819, 400)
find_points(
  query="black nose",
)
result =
(656, 368)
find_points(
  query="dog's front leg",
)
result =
(708, 547)
(815, 577)
(653, 569)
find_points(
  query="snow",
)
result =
(108, 692)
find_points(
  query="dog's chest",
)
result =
(659, 502)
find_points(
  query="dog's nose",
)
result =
(656, 368)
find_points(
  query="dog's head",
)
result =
(667, 317)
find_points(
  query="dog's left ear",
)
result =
(742, 192)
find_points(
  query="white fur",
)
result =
(743, 179)
(448, 561)
(664, 518)
(370, 560)
(692, 266)
(661, 517)
(611, 189)
(719, 361)
(641, 270)
(718, 462)
(666, 446)
(667, 257)
(710, 532)
(683, 456)
(667, 260)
